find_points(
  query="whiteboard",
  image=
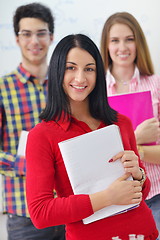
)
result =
(80, 16)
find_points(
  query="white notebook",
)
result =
(22, 143)
(86, 160)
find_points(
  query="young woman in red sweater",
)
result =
(77, 105)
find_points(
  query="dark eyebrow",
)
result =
(113, 37)
(72, 63)
(40, 30)
(76, 64)
(131, 35)
(90, 64)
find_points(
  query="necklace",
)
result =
(123, 82)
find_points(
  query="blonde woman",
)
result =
(129, 69)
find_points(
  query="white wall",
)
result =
(84, 16)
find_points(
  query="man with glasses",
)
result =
(22, 98)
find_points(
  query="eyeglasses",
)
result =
(27, 35)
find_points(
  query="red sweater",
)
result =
(46, 171)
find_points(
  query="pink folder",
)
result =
(137, 106)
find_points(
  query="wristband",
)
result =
(143, 179)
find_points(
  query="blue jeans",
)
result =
(21, 228)
(154, 205)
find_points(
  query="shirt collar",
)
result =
(111, 80)
(24, 75)
(64, 122)
(136, 76)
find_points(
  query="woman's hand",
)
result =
(130, 163)
(123, 191)
(148, 131)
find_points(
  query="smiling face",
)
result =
(34, 49)
(122, 46)
(80, 75)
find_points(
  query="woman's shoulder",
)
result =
(123, 118)
(151, 78)
(43, 128)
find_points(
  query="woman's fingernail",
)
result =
(111, 160)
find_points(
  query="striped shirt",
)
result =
(141, 83)
(22, 99)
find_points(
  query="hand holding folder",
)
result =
(86, 159)
(137, 106)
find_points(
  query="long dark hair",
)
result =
(57, 102)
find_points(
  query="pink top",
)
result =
(141, 83)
